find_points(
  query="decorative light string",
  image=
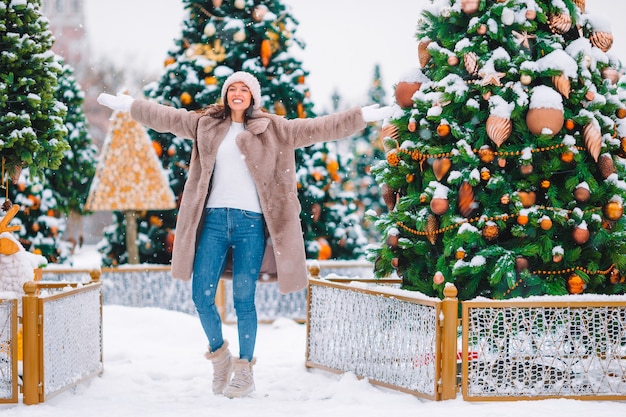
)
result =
(416, 155)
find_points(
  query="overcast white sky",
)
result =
(344, 38)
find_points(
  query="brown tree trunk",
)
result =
(131, 236)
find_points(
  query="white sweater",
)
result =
(232, 184)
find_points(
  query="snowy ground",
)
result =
(154, 366)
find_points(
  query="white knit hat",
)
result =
(249, 80)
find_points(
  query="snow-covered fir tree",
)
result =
(505, 169)
(47, 202)
(32, 132)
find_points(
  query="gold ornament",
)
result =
(580, 235)
(562, 84)
(526, 169)
(485, 174)
(613, 210)
(441, 166)
(432, 224)
(404, 93)
(575, 284)
(545, 223)
(498, 129)
(540, 118)
(486, 154)
(266, 52)
(439, 205)
(422, 53)
(470, 60)
(490, 231)
(560, 23)
(521, 264)
(582, 194)
(580, 4)
(453, 60)
(470, 6)
(466, 199)
(527, 198)
(610, 74)
(185, 98)
(601, 40)
(460, 253)
(389, 196)
(259, 12)
(523, 38)
(621, 113)
(606, 165)
(593, 140)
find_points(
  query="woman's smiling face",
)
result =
(239, 97)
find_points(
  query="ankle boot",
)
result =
(222, 367)
(242, 382)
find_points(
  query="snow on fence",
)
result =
(59, 342)
(524, 349)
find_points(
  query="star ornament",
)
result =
(523, 38)
(491, 78)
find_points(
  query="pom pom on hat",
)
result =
(249, 80)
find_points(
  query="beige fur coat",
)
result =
(268, 145)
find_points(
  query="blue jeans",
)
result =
(243, 232)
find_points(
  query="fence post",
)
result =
(31, 361)
(449, 342)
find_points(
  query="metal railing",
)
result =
(520, 349)
(62, 337)
(394, 338)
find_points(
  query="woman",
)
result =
(241, 185)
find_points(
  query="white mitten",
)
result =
(374, 113)
(121, 102)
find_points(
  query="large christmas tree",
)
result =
(505, 170)
(218, 38)
(32, 132)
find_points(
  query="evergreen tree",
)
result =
(70, 183)
(32, 132)
(46, 202)
(505, 169)
(329, 215)
(218, 38)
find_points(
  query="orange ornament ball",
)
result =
(439, 205)
(540, 118)
(545, 223)
(185, 98)
(621, 112)
(522, 220)
(567, 157)
(443, 130)
(580, 235)
(404, 93)
(438, 278)
(325, 252)
(575, 284)
(613, 210)
(157, 148)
